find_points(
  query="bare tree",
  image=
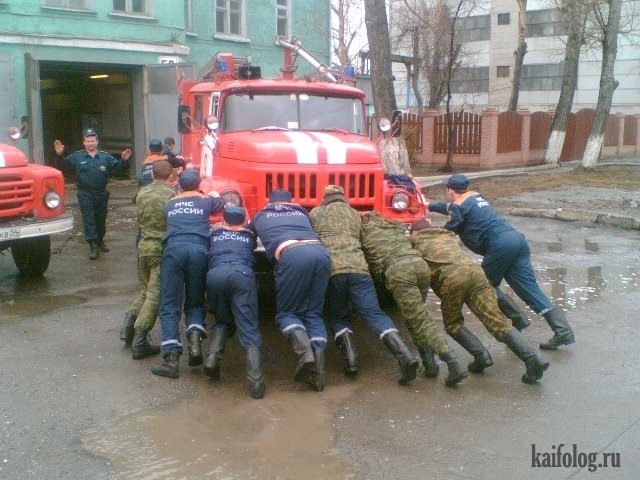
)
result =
(345, 30)
(519, 54)
(610, 28)
(393, 148)
(574, 12)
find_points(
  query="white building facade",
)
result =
(489, 39)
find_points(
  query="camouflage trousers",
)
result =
(145, 306)
(457, 284)
(408, 281)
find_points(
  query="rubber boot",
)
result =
(563, 335)
(217, 345)
(255, 372)
(473, 345)
(318, 378)
(456, 370)
(408, 363)
(195, 348)
(299, 342)
(510, 310)
(431, 367)
(93, 250)
(126, 332)
(345, 344)
(140, 347)
(535, 363)
(170, 367)
(103, 246)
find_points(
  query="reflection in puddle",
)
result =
(221, 435)
(571, 287)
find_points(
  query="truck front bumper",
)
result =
(28, 228)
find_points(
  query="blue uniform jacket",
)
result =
(278, 222)
(187, 215)
(229, 245)
(93, 172)
(473, 219)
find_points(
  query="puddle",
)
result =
(219, 435)
(23, 307)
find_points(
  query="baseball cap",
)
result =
(189, 179)
(280, 195)
(155, 145)
(89, 132)
(234, 215)
(457, 181)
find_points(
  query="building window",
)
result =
(470, 80)
(229, 16)
(502, 71)
(504, 18)
(72, 4)
(474, 28)
(282, 18)
(188, 16)
(545, 23)
(542, 77)
(131, 6)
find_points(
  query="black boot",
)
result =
(408, 363)
(141, 348)
(345, 344)
(535, 363)
(255, 372)
(429, 362)
(473, 345)
(563, 335)
(169, 368)
(217, 345)
(126, 332)
(195, 348)
(299, 342)
(510, 310)
(456, 371)
(93, 250)
(318, 377)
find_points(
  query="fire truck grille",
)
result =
(14, 193)
(306, 188)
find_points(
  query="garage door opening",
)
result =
(76, 96)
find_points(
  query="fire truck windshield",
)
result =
(291, 111)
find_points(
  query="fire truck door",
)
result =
(161, 92)
(34, 108)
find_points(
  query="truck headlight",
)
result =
(400, 200)
(52, 200)
(231, 199)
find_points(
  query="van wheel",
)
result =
(32, 255)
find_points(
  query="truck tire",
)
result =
(32, 255)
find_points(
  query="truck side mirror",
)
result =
(184, 119)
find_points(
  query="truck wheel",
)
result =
(31, 255)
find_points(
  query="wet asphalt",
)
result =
(73, 404)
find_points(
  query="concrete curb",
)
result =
(563, 214)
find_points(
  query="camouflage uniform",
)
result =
(150, 202)
(406, 275)
(456, 280)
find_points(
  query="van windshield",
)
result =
(291, 111)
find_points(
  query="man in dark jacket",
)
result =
(183, 271)
(302, 267)
(93, 168)
(233, 296)
(505, 250)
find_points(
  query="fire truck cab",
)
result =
(31, 210)
(250, 135)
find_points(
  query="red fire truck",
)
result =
(31, 209)
(249, 135)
